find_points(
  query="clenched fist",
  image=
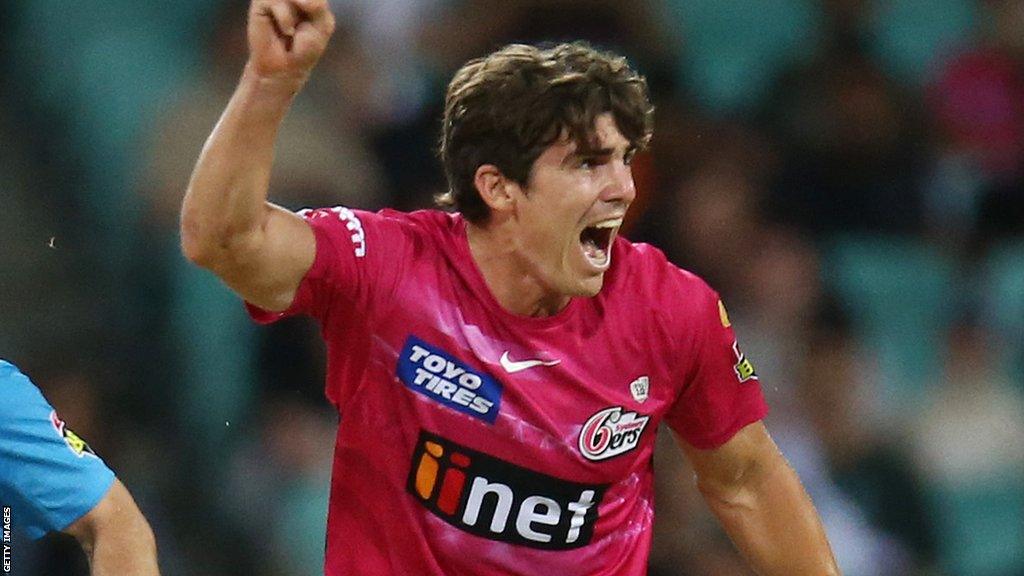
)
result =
(287, 37)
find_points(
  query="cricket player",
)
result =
(501, 368)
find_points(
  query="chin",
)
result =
(589, 287)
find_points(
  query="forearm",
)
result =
(225, 204)
(772, 521)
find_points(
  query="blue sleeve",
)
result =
(48, 475)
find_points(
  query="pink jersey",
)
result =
(477, 442)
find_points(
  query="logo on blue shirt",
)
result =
(443, 378)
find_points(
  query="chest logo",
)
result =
(512, 366)
(640, 388)
(489, 497)
(611, 432)
(444, 378)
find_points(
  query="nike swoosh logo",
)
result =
(512, 366)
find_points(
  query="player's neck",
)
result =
(508, 276)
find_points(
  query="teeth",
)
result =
(611, 223)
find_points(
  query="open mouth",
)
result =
(596, 242)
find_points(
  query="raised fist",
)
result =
(287, 37)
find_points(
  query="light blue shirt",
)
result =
(49, 477)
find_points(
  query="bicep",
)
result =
(84, 528)
(115, 518)
(267, 269)
(50, 473)
(726, 469)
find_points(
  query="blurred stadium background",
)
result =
(848, 173)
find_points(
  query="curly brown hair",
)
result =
(507, 107)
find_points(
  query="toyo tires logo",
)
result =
(611, 432)
(444, 378)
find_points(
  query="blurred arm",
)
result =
(260, 250)
(761, 504)
(116, 537)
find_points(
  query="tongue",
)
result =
(593, 252)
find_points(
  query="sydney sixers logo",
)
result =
(611, 432)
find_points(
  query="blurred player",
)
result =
(501, 371)
(53, 481)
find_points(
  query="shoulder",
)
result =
(18, 392)
(664, 301)
(644, 271)
(352, 217)
(428, 222)
(357, 224)
(353, 245)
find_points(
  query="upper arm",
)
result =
(725, 470)
(116, 536)
(719, 393)
(117, 509)
(266, 265)
(85, 527)
(48, 474)
(761, 504)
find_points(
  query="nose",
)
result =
(620, 187)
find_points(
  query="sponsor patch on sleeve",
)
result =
(443, 378)
(352, 223)
(75, 443)
(743, 368)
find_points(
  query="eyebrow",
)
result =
(594, 153)
(589, 153)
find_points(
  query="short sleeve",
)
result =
(48, 475)
(359, 259)
(721, 392)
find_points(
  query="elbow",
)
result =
(195, 244)
(197, 250)
(213, 244)
(207, 245)
(219, 252)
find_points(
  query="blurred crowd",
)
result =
(849, 174)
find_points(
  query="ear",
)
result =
(494, 188)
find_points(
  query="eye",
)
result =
(627, 158)
(592, 162)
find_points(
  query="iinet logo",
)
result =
(491, 498)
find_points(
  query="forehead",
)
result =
(607, 132)
(607, 137)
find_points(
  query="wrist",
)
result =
(283, 87)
